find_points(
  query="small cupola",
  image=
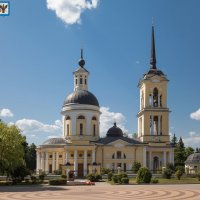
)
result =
(114, 131)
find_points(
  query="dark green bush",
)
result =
(33, 179)
(179, 174)
(64, 176)
(143, 175)
(125, 180)
(115, 178)
(154, 180)
(167, 173)
(41, 177)
(105, 170)
(171, 166)
(110, 174)
(198, 175)
(180, 168)
(57, 182)
(136, 166)
(94, 177)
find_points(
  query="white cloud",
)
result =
(195, 115)
(108, 118)
(69, 11)
(30, 126)
(6, 113)
(192, 140)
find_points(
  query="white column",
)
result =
(93, 156)
(63, 158)
(150, 160)
(159, 124)
(85, 163)
(144, 157)
(164, 158)
(38, 162)
(57, 157)
(46, 162)
(42, 161)
(53, 162)
(76, 162)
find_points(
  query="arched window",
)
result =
(81, 117)
(155, 97)
(94, 118)
(76, 81)
(67, 129)
(81, 129)
(119, 154)
(94, 129)
(155, 163)
(81, 80)
(85, 81)
(124, 156)
(113, 156)
(160, 100)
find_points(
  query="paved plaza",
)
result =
(102, 191)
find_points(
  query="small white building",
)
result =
(192, 164)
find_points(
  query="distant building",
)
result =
(192, 164)
(83, 150)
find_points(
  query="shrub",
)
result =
(115, 178)
(154, 180)
(33, 179)
(136, 166)
(198, 175)
(57, 182)
(170, 166)
(125, 180)
(180, 168)
(179, 174)
(143, 175)
(105, 170)
(110, 174)
(64, 176)
(94, 177)
(167, 173)
(41, 177)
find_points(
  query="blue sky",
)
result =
(39, 51)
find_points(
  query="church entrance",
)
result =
(155, 163)
(80, 170)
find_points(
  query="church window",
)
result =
(76, 81)
(94, 130)
(124, 167)
(124, 156)
(67, 129)
(160, 100)
(81, 80)
(81, 129)
(94, 118)
(81, 117)
(113, 156)
(119, 154)
(155, 97)
(50, 156)
(60, 156)
(85, 81)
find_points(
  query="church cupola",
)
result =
(81, 75)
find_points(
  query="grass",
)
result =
(184, 180)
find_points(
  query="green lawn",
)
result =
(184, 180)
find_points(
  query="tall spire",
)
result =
(153, 50)
(81, 61)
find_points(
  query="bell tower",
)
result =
(153, 117)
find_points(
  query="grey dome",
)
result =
(193, 158)
(81, 97)
(53, 141)
(114, 131)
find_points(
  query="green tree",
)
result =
(188, 151)
(136, 166)
(30, 157)
(11, 148)
(179, 153)
(174, 139)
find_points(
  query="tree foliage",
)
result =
(144, 175)
(11, 148)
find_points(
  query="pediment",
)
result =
(119, 143)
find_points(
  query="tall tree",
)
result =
(188, 151)
(174, 139)
(179, 153)
(11, 148)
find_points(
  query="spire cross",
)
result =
(81, 53)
